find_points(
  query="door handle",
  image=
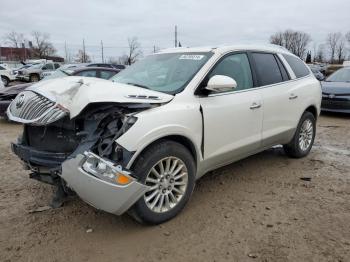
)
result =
(255, 106)
(292, 96)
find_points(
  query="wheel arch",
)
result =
(6, 77)
(181, 139)
(313, 110)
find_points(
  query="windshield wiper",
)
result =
(138, 85)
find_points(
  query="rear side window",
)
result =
(267, 69)
(298, 66)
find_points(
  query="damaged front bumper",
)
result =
(101, 193)
(97, 181)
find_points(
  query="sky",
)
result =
(200, 23)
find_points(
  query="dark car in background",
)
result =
(336, 92)
(9, 93)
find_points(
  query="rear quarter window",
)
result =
(267, 69)
(298, 66)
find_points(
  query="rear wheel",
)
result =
(304, 137)
(34, 78)
(168, 169)
(5, 80)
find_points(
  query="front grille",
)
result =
(30, 107)
(335, 104)
(59, 137)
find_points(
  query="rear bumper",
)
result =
(3, 107)
(100, 194)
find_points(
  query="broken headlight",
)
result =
(106, 170)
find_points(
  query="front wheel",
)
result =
(168, 169)
(304, 137)
(5, 80)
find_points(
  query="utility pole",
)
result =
(84, 57)
(175, 35)
(65, 51)
(103, 60)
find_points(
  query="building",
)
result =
(22, 54)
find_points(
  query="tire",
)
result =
(296, 148)
(34, 78)
(5, 80)
(162, 152)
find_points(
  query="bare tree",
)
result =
(340, 50)
(14, 39)
(347, 36)
(332, 43)
(42, 47)
(320, 53)
(82, 57)
(294, 41)
(134, 51)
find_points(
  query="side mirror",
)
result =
(220, 83)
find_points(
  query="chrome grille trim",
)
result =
(31, 107)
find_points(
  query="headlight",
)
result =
(106, 170)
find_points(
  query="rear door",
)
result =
(233, 119)
(278, 96)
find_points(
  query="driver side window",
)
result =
(237, 67)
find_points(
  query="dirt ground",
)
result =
(257, 209)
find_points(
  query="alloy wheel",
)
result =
(306, 135)
(167, 181)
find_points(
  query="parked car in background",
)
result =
(6, 75)
(336, 92)
(9, 94)
(121, 67)
(138, 143)
(317, 74)
(346, 63)
(34, 72)
(98, 72)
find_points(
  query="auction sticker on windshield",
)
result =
(191, 57)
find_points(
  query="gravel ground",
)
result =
(257, 209)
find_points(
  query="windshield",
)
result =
(168, 73)
(36, 66)
(342, 75)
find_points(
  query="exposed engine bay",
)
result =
(44, 148)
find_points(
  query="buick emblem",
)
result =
(331, 96)
(20, 101)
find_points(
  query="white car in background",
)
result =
(7, 75)
(138, 143)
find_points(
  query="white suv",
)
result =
(139, 142)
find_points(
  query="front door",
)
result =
(232, 120)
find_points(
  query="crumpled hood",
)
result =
(75, 93)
